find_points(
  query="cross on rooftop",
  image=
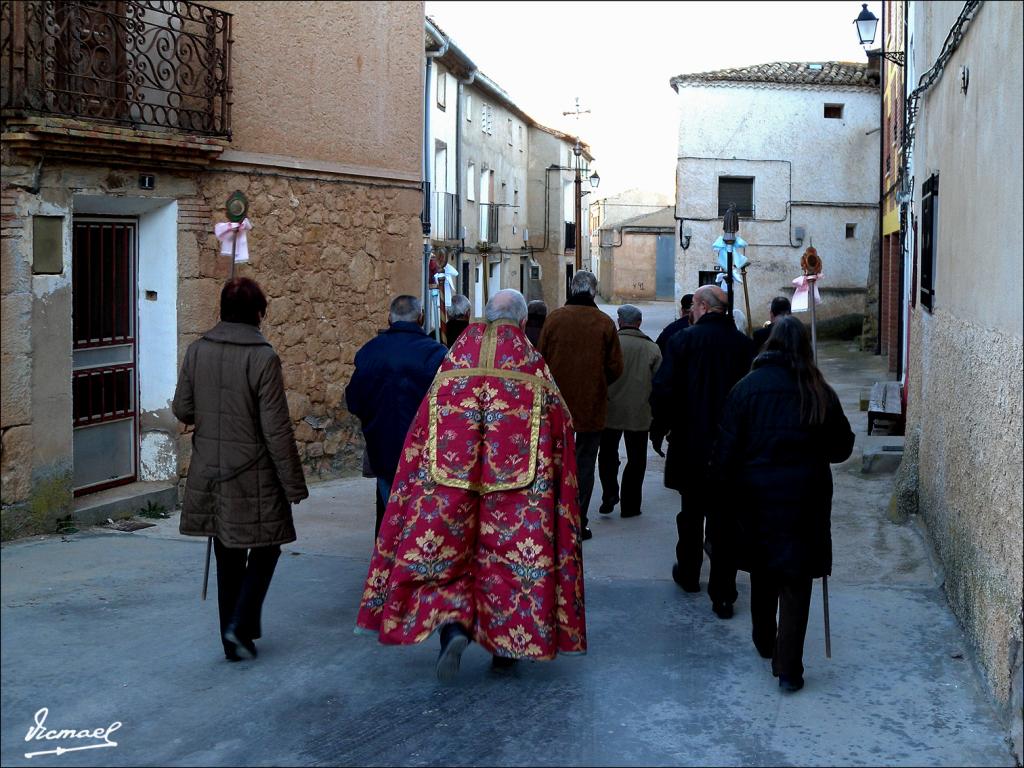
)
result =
(577, 111)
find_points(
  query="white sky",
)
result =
(618, 58)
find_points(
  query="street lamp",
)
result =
(867, 26)
(866, 23)
(577, 150)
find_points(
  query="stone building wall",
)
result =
(330, 253)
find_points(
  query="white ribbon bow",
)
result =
(226, 232)
(803, 288)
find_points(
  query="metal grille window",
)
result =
(929, 228)
(738, 190)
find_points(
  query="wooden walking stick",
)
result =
(206, 571)
(746, 302)
(824, 602)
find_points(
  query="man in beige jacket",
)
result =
(629, 414)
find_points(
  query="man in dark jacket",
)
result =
(689, 391)
(393, 372)
(685, 305)
(458, 319)
(780, 307)
(581, 347)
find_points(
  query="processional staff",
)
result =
(807, 290)
(233, 242)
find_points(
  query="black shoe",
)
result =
(766, 650)
(722, 610)
(586, 533)
(453, 643)
(608, 507)
(230, 653)
(503, 662)
(688, 586)
(245, 644)
(791, 684)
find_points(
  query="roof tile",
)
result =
(825, 74)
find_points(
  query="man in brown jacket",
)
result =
(244, 473)
(582, 351)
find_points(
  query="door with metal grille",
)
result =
(104, 383)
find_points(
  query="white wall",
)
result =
(809, 171)
(158, 336)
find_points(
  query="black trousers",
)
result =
(587, 446)
(697, 505)
(243, 578)
(632, 491)
(381, 497)
(790, 597)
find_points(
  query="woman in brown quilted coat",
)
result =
(244, 473)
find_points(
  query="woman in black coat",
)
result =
(782, 427)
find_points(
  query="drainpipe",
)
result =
(428, 165)
(881, 181)
(459, 180)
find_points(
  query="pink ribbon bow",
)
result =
(226, 232)
(803, 288)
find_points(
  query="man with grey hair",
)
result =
(458, 319)
(506, 304)
(582, 349)
(629, 415)
(688, 396)
(393, 372)
(484, 518)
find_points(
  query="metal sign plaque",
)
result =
(237, 206)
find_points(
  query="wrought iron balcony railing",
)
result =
(148, 64)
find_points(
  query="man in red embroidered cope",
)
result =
(481, 536)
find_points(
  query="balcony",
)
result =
(142, 78)
(144, 64)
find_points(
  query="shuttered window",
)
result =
(738, 190)
(929, 228)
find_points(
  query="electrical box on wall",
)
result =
(47, 245)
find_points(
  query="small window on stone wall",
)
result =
(47, 245)
(834, 111)
(851, 231)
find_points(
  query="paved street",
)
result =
(102, 626)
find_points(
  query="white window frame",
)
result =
(471, 183)
(442, 90)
